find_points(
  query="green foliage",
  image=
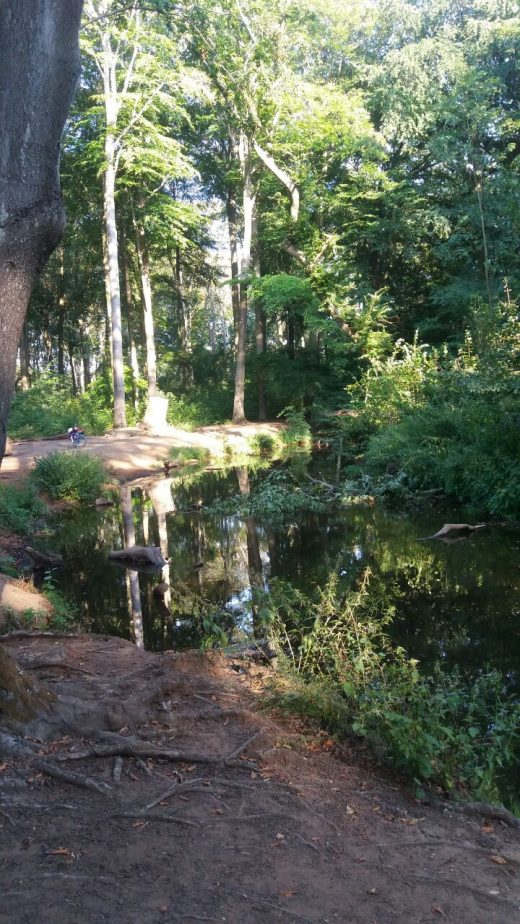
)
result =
(297, 432)
(439, 729)
(276, 499)
(199, 408)
(49, 408)
(8, 565)
(64, 615)
(69, 476)
(20, 507)
(262, 444)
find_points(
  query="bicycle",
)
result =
(77, 437)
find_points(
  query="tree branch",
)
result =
(284, 178)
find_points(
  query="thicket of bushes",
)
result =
(444, 730)
(71, 476)
(427, 420)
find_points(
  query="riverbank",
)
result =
(132, 452)
(191, 803)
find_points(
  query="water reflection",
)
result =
(459, 603)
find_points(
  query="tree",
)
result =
(39, 67)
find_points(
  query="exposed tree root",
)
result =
(156, 816)
(76, 779)
(131, 747)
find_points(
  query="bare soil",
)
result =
(222, 811)
(133, 452)
(18, 596)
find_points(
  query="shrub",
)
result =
(19, 507)
(70, 476)
(439, 729)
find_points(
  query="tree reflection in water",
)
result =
(458, 603)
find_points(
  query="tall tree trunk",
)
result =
(146, 292)
(129, 302)
(109, 190)
(232, 219)
(260, 323)
(39, 66)
(25, 358)
(61, 314)
(184, 321)
(157, 405)
(248, 210)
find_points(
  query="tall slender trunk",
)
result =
(146, 292)
(248, 210)
(25, 358)
(109, 188)
(232, 219)
(129, 302)
(73, 372)
(184, 321)
(478, 189)
(260, 323)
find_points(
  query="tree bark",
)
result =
(249, 198)
(150, 416)
(108, 65)
(39, 66)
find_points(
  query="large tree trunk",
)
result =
(39, 66)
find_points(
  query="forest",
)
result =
(304, 215)
(306, 210)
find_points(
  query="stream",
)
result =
(456, 602)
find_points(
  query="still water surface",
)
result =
(456, 602)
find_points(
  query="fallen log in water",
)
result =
(456, 529)
(44, 559)
(139, 555)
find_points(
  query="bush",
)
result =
(19, 507)
(441, 729)
(70, 476)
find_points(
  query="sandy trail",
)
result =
(132, 452)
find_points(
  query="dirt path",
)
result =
(284, 830)
(132, 452)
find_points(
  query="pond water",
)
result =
(457, 602)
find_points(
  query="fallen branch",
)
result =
(75, 779)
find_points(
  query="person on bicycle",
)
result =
(73, 432)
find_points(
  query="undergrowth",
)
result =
(442, 730)
(276, 499)
(69, 476)
(49, 408)
(20, 507)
